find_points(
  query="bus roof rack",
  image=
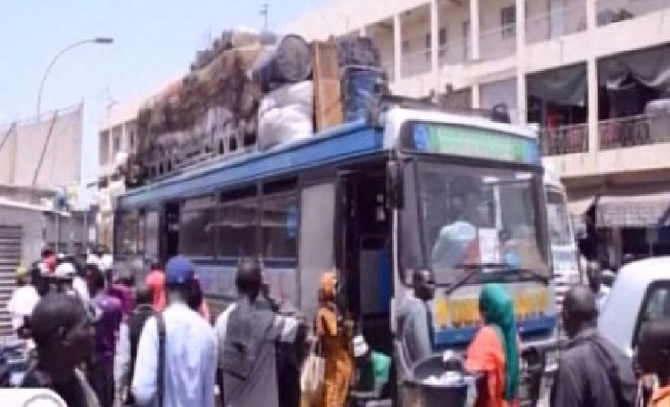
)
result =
(384, 100)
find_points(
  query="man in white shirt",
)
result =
(190, 349)
(454, 240)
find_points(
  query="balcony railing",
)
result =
(415, 63)
(569, 139)
(634, 131)
(613, 11)
(557, 23)
(454, 52)
(498, 42)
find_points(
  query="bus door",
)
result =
(345, 256)
(170, 230)
(364, 253)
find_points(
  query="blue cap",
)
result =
(178, 271)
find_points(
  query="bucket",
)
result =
(435, 394)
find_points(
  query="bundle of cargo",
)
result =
(345, 76)
(357, 51)
(251, 91)
(285, 114)
(283, 73)
(214, 110)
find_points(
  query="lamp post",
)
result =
(97, 40)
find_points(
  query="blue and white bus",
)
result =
(374, 200)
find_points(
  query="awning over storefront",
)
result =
(632, 206)
(634, 210)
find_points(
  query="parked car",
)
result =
(641, 292)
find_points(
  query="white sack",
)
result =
(286, 115)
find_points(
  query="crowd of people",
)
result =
(102, 339)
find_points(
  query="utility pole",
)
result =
(264, 12)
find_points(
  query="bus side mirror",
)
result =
(394, 184)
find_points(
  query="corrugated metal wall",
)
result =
(10, 257)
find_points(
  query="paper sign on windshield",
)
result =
(489, 246)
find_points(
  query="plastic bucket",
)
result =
(453, 394)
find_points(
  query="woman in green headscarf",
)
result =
(494, 352)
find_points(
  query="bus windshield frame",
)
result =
(507, 193)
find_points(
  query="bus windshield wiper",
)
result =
(474, 269)
(471, 271)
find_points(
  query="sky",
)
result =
(155, 41)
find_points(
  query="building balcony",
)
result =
(614, 11)
(571, 139)
(555, 24)
(641, 130)
(554, 39)
(624, 145)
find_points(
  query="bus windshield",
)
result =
(479, 217)
(559, 223)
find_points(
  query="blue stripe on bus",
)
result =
(351, 141)
(461, 336)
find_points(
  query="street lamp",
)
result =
(97, 40)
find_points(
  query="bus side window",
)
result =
(236, 223)
(126, 234)
(196, 233)
(279, 226)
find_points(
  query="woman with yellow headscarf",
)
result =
(335, 340)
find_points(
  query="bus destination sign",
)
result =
(472, 142)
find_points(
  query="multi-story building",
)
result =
(591, 73)
(117, 139)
